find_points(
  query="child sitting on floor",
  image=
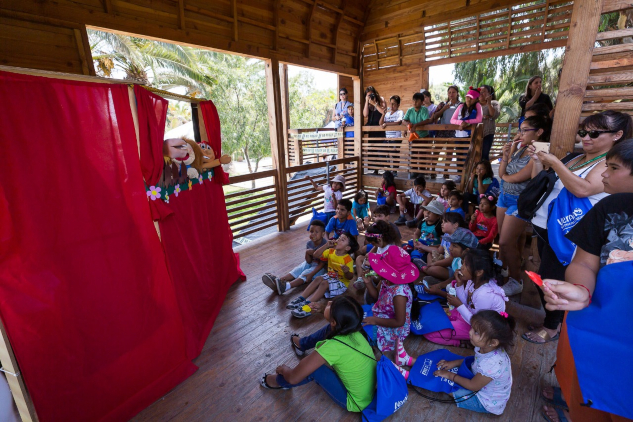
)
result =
(392, 310)
(381, 213)
(483, 223)
(447, 187)
(475, 290)
(429, 233)
(332, 194)
(360, 210)
(341, 223)
(440, 260)
(411, 201)
(455, 200)
(489, 390)
(379, 237)
(307, 270)
(387, 191)
(340, 270)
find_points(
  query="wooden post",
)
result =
(358, 132)
(424, 77)
(285, 107)
(277, 140)
(583, 28)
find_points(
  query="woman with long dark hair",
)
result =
(348, 379)
(534, 95)
(490, 109)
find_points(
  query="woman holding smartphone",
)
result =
(580, 176)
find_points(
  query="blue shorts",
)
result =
(510, 203)
(303, 269)
(471, 403)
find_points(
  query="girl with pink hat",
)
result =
(392, 310)
(468, 113)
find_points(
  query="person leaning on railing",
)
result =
(340, 110)
(418, 116)
(490, 109)
(445, 110)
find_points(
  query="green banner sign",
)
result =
(320, 150)
(311, 136)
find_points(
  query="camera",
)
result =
(372, 96)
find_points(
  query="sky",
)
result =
(326, 80)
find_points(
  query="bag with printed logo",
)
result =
(432, 318)
(564, 213)
(391, 388)
(421, 374)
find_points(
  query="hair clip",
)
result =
(503, 314)
(373, 235)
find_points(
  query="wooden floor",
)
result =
(251, 336)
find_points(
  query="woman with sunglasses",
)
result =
(581, 177)
(515, 169)
(340, 110)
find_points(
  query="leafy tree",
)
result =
(309, 107)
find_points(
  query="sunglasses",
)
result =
(342, 93)
(593, 134)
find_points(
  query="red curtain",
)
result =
(212, 124)
(85, 294)
(152, 113)
(198, 244)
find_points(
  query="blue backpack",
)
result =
(369, 329)
(432, 318)
(318, 216)
(564, 213)
(391, 389)
(421, 374)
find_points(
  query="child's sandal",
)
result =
(264, 384)
(297, 350)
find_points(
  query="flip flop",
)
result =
(297, 350)
(559, 412)
(542, 334)
(264, 384)
(558, 400)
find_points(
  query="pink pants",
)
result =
(452, 337)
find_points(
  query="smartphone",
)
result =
(541, 146)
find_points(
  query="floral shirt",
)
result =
(383, 308)
(496, 365)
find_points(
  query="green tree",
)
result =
(309, 107)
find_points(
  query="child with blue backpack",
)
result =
(489, 390)
(475, 290)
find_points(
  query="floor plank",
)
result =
(251, 336)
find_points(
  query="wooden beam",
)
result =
(181, 14)
(424, 77)
(277, 141)
(107, 6)
(545, 20)
(336, 29)
(285, 107)
(277, 21)
(585, 19)
(309, 28)
(235, 22)
(616, 5)
(358, 132)
(82, 52)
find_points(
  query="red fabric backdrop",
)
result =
(197, 241)
(85, 294)
(212, 124)
(152, 113)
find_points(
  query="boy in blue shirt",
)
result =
(340, 223)
(455, 200)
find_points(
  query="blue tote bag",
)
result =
(318, 216)
(391, 388)
(421, 374)
(369, 329)
(422, 295)
(432, 318)
(564, 213)
(601, 334)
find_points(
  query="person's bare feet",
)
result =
(540, 335)
(552, 414)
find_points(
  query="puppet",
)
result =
(205, 158)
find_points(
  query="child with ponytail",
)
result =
(489, 390)
(483, 223)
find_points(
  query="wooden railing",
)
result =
(503, 133)
(440, 156)
(296, 155)
(301, 195)
(254, 209)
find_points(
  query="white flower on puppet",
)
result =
(153, 193)
(177, 190)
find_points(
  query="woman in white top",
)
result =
(581, 176)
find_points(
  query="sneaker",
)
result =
(418, 262)
(401, 221)
(270, 280)
(359, 284)
(512, 287)
(300, 313)
(412, 223)
(296, 303)
(280, 286)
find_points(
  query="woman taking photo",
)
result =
(515, 169)
(375, 107)
(348, 379)
(491, 110)
(533, 95)
(580, 176)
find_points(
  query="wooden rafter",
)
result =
(545, 20)
(235, 22)
(107, 6)
(309, 26)
(181, 14)
(336, 31)
(277, 21)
